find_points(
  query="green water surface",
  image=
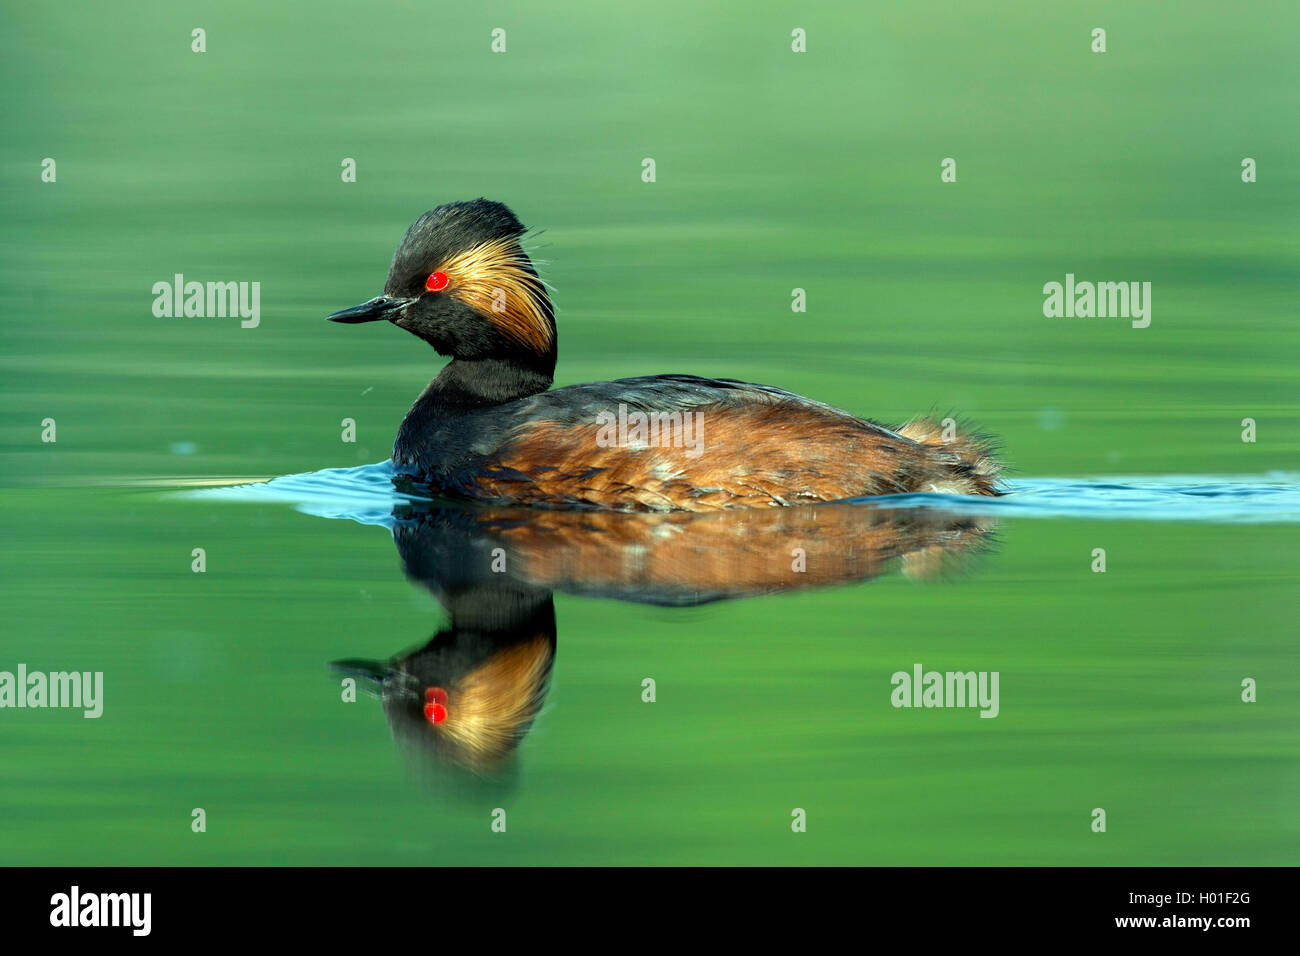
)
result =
(775, 171)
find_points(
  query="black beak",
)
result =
(380, 307)
(367, 670)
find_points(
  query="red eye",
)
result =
(435, 713)
(437, 281)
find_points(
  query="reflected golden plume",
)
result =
(492, 706)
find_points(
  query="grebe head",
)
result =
(461, 281)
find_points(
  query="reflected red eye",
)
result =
(436, 282)
(435, 695)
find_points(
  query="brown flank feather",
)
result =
(754, 456)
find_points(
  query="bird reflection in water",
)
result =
(459, 706)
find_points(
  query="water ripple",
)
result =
(368, 494)
(1226, 499)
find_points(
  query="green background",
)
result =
(775, 170)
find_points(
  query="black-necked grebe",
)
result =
(490, 427)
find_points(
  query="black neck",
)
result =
(487, 381)
(462, 387)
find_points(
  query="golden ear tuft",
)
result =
(495, 278)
